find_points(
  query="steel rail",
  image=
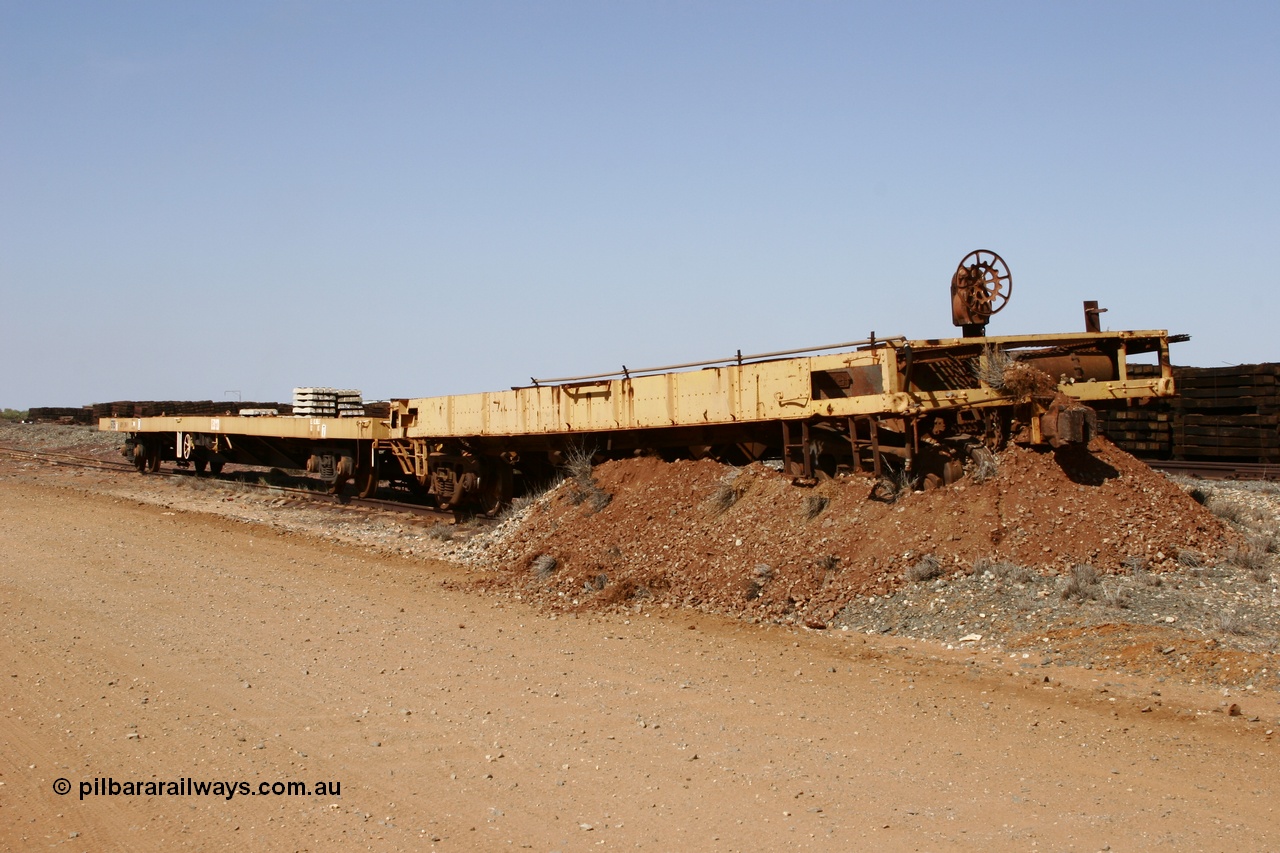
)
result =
(1265, 471)
(55, 458)
(315, 495)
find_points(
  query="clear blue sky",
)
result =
(440, 197)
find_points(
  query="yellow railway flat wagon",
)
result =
(918, 409)
(924, 406)
(333, 447)
(878, 378)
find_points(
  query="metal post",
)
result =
(853, 444)
(876, 467)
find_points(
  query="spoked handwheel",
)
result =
(980, 287)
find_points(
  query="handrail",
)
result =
(739, 359)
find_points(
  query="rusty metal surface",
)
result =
(980, 287)
(782, 389)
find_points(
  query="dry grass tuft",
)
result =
(1253, 558)
(991, 367)
(578, 464)
(544, 565)
(814, 505)
(894, 486)
(1005, 373)
(1003, 570)
(1118, 597)
(1233, 623)
(1082, 584)
(1137, 566)
(1135, 563)
(927, 568)
(725, 496)
(1024, 381)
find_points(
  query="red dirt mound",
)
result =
(746, 541)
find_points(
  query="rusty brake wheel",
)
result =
(985, 282)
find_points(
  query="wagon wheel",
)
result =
(366, 480)
(140, 458)
(496, 485)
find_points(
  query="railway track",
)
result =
(1218, 470)
(319, 493)
(56, 458)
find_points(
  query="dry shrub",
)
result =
(1248, 517)
(543, 565)
(1248, 557)
(1082, 584)
(1024, 381)
(578, 463)
(814, 505)
(927, 568)
(1137, 566)
(1118, 597)
(991, 368)
(528, 499)
(1003, 570)
(1135, 563)
(1233, 623)
(1252, 558)
(725, 496)
(443, 532)
(1190, 559)
(895, 485)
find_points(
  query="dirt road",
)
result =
(148, 644)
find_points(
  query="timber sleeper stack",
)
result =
(1228, 413)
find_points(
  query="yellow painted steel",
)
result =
(780, 389)
(773, 390)
(313, 429)
(719, 395)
